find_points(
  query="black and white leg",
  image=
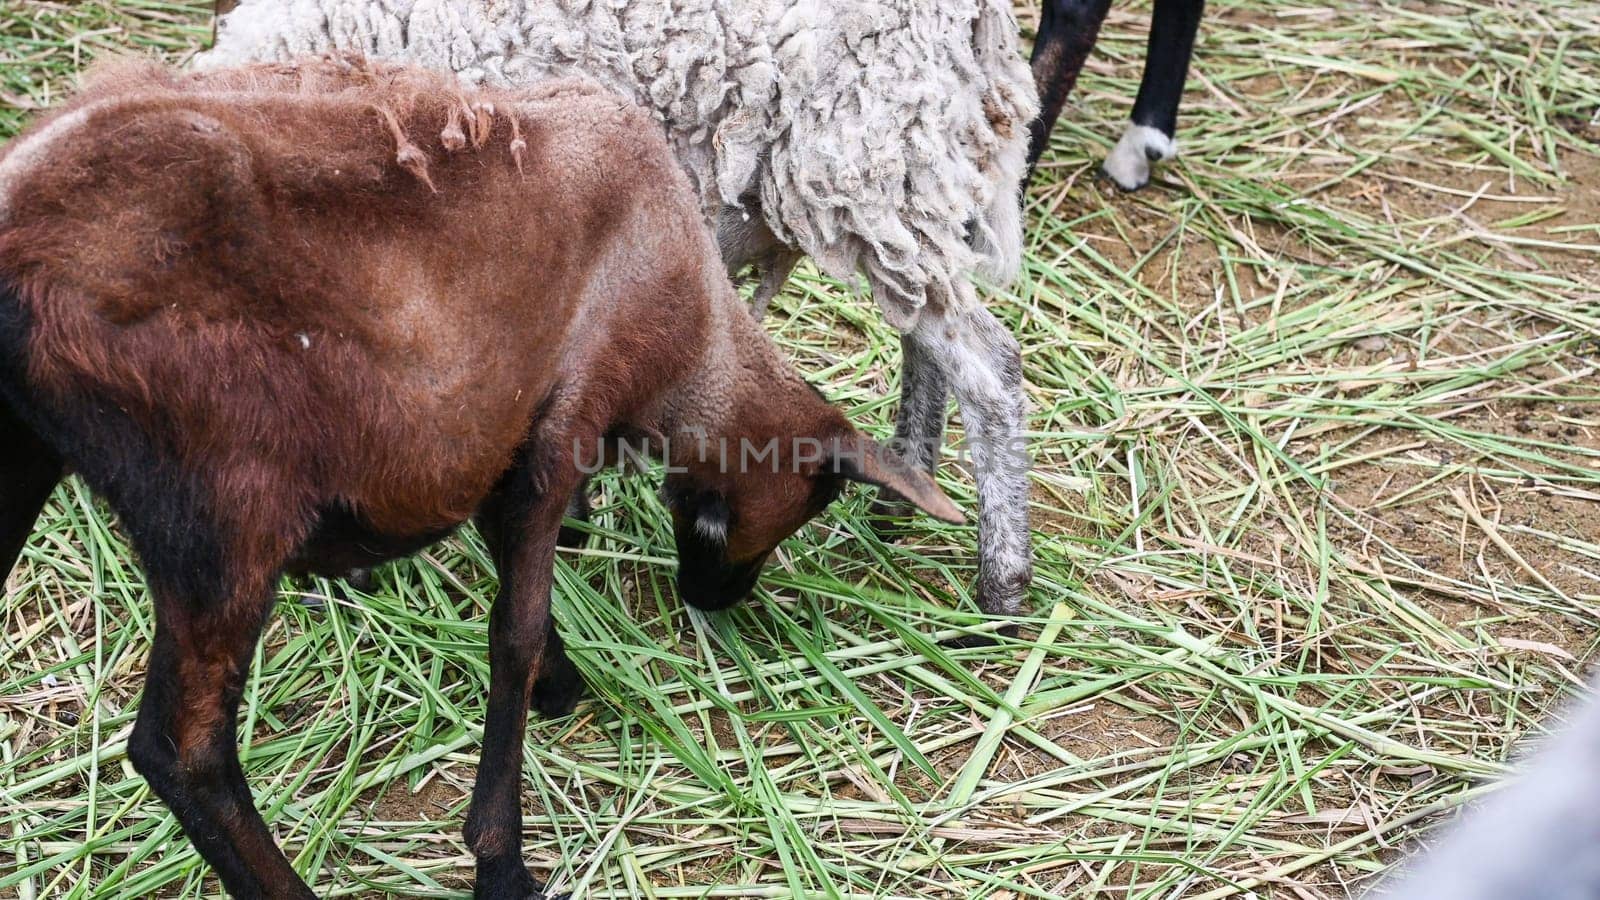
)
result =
(982, 363)
(1150, 135)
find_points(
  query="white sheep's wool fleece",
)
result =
(881, 137)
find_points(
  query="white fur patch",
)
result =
(714, 530)
(1129, 161)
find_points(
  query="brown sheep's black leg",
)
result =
(29, 471)
(578, 509)
(559, 685)
(522, 526)
(184, 741)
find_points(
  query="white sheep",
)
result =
(880, 137)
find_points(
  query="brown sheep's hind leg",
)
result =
(212, 582)
(184, 741)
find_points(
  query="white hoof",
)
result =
(1129, 162)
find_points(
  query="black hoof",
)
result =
(556, 693)
(578, 508)
(508, 880)
(572, 538)
(360, 579)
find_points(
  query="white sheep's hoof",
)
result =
(1129, 162)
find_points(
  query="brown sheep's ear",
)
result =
(860, 458)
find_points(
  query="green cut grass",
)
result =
(1317, 485)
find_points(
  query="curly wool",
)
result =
(886, 137)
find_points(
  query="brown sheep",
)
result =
(302, 318)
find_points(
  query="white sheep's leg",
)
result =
(919, 425)
(1130, 160)
(983, 364)
(774, 272)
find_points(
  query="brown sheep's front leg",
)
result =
(521, 524)
(559, 685)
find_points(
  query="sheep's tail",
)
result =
(996, 235)
(1011, 103)
(998, 238)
